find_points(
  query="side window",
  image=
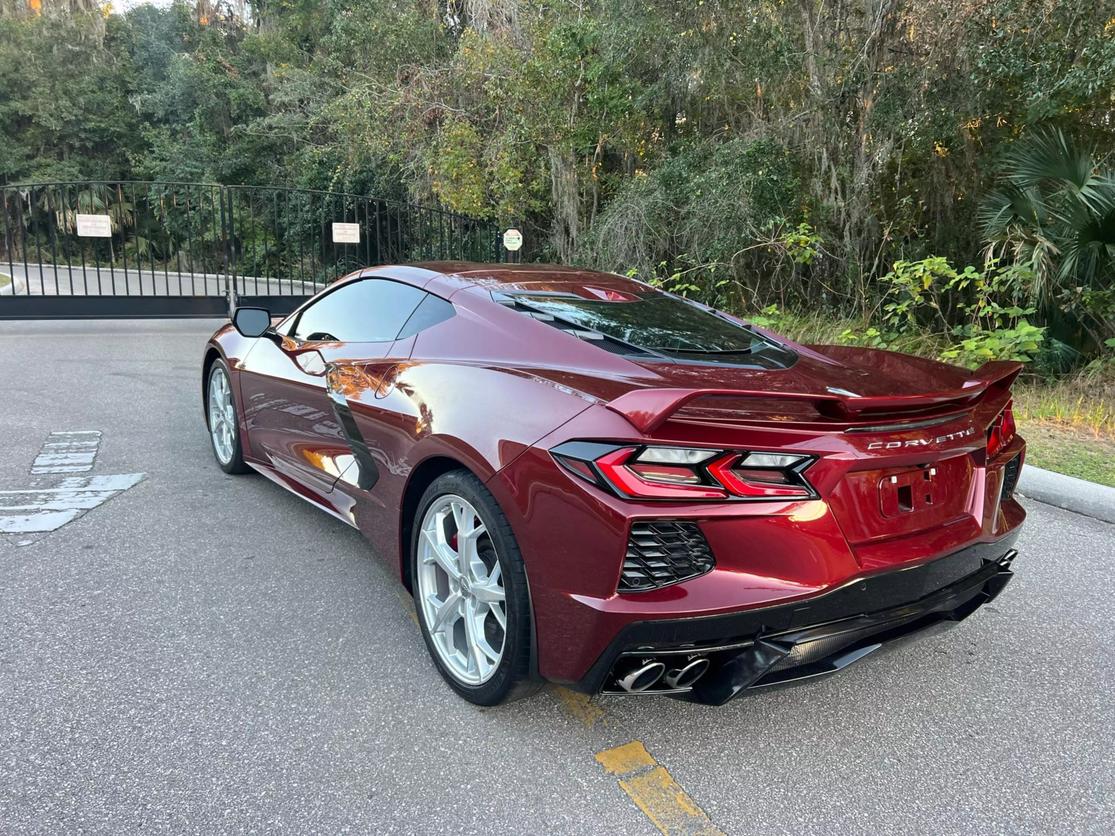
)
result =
(430, 311)
(365, 311)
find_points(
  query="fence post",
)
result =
(223, 194)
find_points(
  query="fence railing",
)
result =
(134, 240)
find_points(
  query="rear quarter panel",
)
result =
(482, 417)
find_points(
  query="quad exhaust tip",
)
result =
(686, 675)
(650, 672)
(642, 677)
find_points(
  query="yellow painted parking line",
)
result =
(626, 759)
(579, 705)
(655, 792)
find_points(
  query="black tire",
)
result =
(236, 463)
(512, 678)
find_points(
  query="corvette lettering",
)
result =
(921, 442)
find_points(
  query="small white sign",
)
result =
(346, 233)
(512, 239)
(94, 226)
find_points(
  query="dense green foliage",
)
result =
(751, 152)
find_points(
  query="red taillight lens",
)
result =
(638, 480)
(1009, 428)
(681, 473)
(1001, 431)
(755, 482)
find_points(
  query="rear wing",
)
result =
(649, 409)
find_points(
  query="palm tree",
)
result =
(1054, 210)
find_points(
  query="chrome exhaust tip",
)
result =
(686, 675)
(642, 677)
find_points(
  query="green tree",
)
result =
(64, 85)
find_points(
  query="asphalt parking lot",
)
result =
(203, 652)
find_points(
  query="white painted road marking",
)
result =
(68, 452)
(38, 510)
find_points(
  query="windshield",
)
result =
(659, 323)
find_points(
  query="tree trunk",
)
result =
(566, 202)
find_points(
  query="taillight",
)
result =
(684, 473)
(735, 473)
(1002, 431)
(624, 472)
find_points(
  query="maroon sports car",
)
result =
(584, 479)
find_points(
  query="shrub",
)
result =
(981, 312)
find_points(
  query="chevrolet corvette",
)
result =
(583, 479)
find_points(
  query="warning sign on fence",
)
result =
(346, 233)
(94, 226)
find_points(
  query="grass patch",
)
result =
(1084, 402)
(5, 280)
(1069, 424)
(1070, 452)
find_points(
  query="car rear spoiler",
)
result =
(649, 409)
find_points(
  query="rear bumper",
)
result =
(805, 639)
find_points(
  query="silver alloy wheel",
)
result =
(222, 416)
(460, 590)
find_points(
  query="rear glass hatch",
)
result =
(653, 326)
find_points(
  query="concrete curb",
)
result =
(16, 287)
(1068, 492)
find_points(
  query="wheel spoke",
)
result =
(471, 654)
(496, 609)
(481, 654)
(445, 613)
(469, 528)
(441, 554)
(461, 517)
(488, 592)
(467, 542)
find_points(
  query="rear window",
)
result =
(666, 325)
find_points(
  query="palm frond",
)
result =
(1090, 253)
(1055, 210)
(1048, 154)
(1009, 207)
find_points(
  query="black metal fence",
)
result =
(131, 248)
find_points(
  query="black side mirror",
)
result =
(252, 322)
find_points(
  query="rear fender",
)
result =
(482, 417)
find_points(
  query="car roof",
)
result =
(445, 277)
